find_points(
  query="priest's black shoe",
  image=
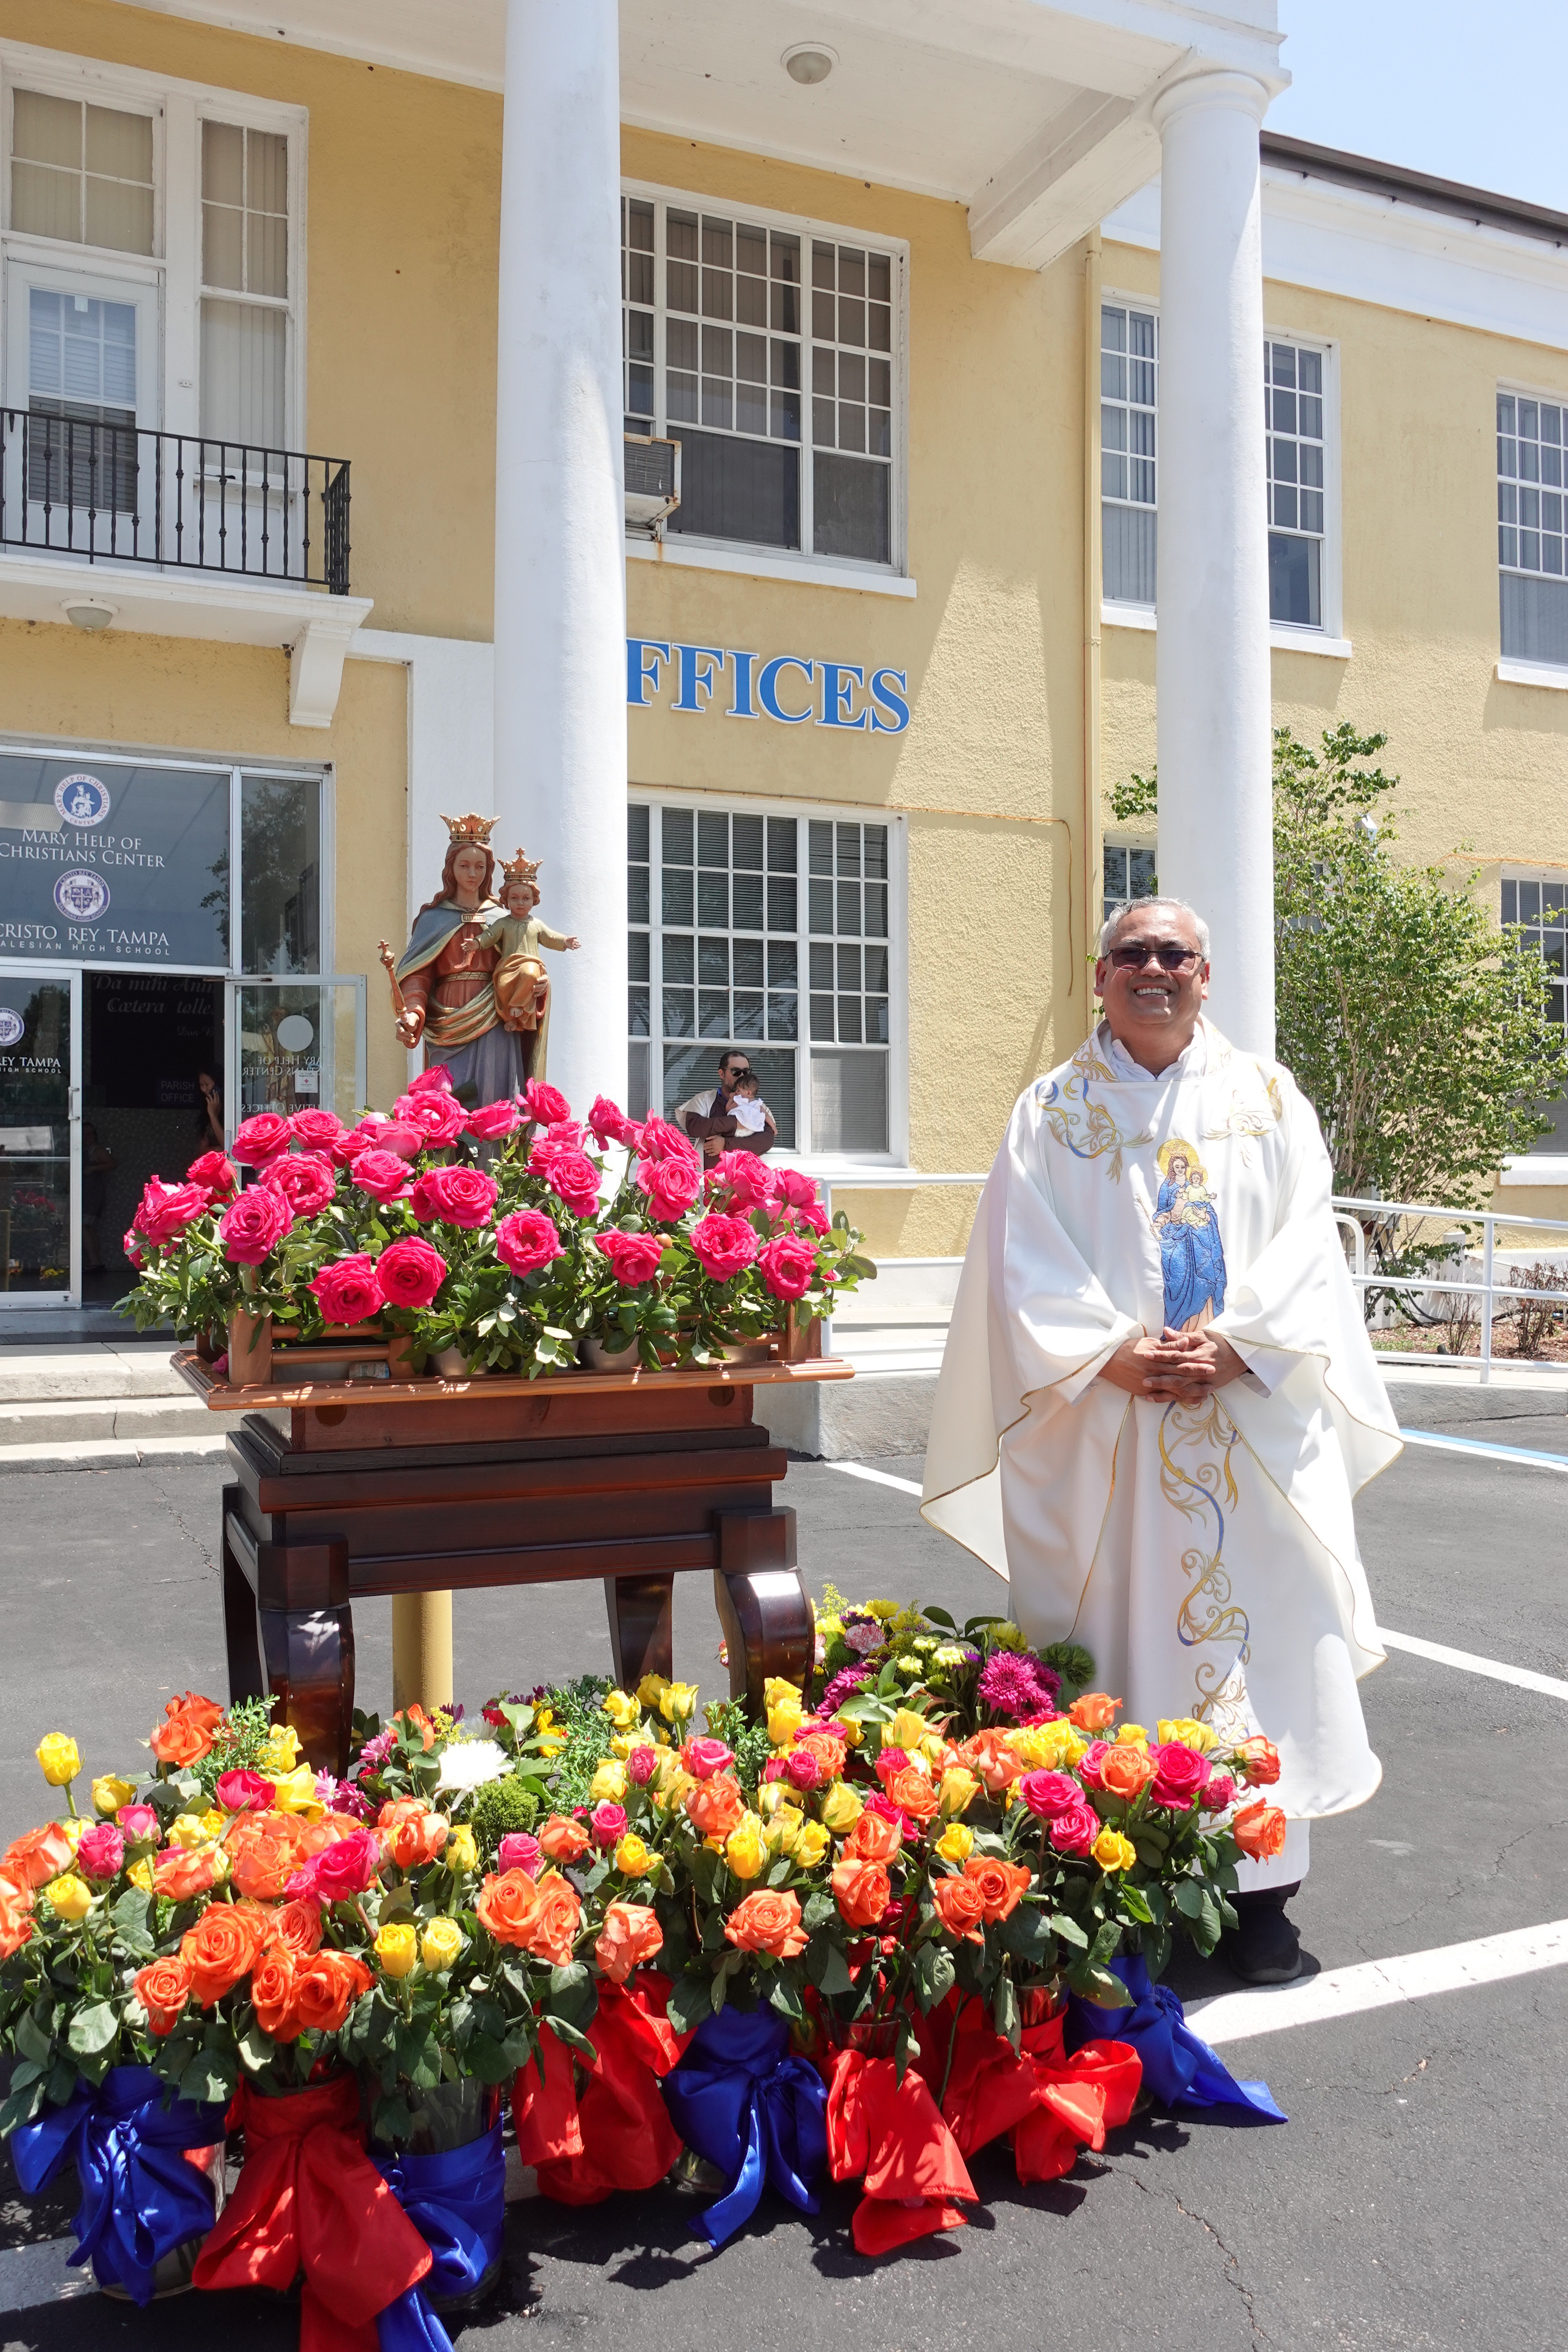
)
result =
(1264, 1947)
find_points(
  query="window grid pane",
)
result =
(80, 173)
(1129, 365)
(1293, 422)
(244, 210)
(1531, 439)
(1540, 905)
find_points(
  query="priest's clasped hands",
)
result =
(1184, 1367)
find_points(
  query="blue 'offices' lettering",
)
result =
(787, 688)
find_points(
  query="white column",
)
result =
(559, 611)
(1212, 660)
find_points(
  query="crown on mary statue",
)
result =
(469, 831)
(522, 868)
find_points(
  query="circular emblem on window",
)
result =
(81, 800)
(81, 897)
(12, 1026)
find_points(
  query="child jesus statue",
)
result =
(521, 989)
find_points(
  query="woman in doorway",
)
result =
(209, 1117)
(98, 1164)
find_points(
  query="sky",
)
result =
(1469, 89)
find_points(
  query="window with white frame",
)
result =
(770, 932)
(1532, 447)
(245, 253)
(770, 352)
(79, 172)
(1128, 360)
(1293, 415)
(1128, 874)
(1538, 902)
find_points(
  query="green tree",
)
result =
(1419, 1031)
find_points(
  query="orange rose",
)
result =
(767, 1922)
(505, 1906)
(829, 1754)
(1259, 1830)
(16, 1919)
(961, 1907)
(629, 1935)
(265, 1850)
(162, 1988)
(873, 1839)
(557, 1917)
(417, 1720)
(716, 1804)
(273, 1985)
(181, 1872)
(912, 1793)
(186, 1733)
(222, 1947)
(562, 1839)
(1125, 1770)
(294, 1927)
(204, 1713)
(861, 1890)
(38, 1855)
(1000, 1884)
(1093, 1711)
(990, 1759)
(326, 1988)
(410, 1833)
(1257, 1761)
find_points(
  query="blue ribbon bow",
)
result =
(139, 2198)
(1178, 2068)
(739, 2100)
(456, 2201)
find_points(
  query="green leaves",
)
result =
(93, 2028)
(132, 1920)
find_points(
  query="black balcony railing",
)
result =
(113, 493)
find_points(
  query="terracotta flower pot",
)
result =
(249, 1350)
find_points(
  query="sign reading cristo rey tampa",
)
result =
(794, 689)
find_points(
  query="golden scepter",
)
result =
(399, 1004)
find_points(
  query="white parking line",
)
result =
(1493, 1668)
(1487, 1453)
(876, 1477)
(1380, 1984)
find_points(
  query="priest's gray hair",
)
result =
(1149, 905)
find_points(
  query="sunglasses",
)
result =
(1172, 956)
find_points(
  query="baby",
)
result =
(521, 990)
(746, 1104)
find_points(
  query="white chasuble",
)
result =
(1204, 1554)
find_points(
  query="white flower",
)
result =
(470, 1763)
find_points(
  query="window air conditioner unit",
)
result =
(653, 481)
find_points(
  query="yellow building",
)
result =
(268, 606)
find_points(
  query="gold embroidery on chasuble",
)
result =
(1198, 1483)
(1080, 1125)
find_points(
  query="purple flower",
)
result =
(844, 1684)
(1015, 1685)
(343, 1797)
(376, 1751)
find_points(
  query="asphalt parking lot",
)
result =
(1414, 2200)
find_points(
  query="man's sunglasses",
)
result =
(740, 1073)
(1172, 956)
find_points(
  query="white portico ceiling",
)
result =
(1035, 115)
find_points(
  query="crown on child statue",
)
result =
(522, 868)
(469, 831)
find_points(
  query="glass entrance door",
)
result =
(40, 1122)
(298, 1044)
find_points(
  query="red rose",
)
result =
(463, 1196)
(576, 1179)
(788, 1266)
(244, 1792)
(814, 1218)
(490, 1122)
(438, 1114)
(658, 1140)
(381, 1174)
(410, 1273)
(306, 1180)
(1047, 1794)
(1075, 1828)
(796, 1190)
(562, 1135)
(349, 1291)
(1218, 1791)
(545, 1104)
(253, 1224)
(610, 1123)
(437, 1076)
(1180, 1773)
(166, 1210)
(317, 1130)
(260, 1138)
(527, 1240)
(725, 1246)
(743, 1178)
(671, 1185)
(347, 1868)
(634, 1257)
(217, 1177)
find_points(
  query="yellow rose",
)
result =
(441, 1941)
(1113, 1851)
(295, 1792)
(783, 1829)
(775, 1794)
(396, 1948)
(632, 1858)
(621, 1707)
(460, 1852)
(783, 1723)
(60, 1759)
(811, 1843)
(141, 1874)
(851, 1733)
(1133, 1735)
(69, 1898)
(957, 1791)
(214, 1822)
(777, 1691)
(651, 1689)
(678, 1702)
(623, 1742)
(841, 1808)
(907, 1730)
(1189, 1732)
(281, 1753)
(109, 1793)
(745, 1848)
(671, 1792)
(955, 1843)
(550, 1741)
(189, 1830)
(882, 1611)
(609, 1783)
(1037, 1745)
(71, 1829)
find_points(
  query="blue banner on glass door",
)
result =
(103, 861)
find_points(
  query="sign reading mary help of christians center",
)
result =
(104, 862)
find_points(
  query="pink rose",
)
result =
(260, 1138)
(410, 1273)
(317, 1130)
(463, 1196)
(1047, 1794)
(252, 1225)
(671, 1185)
(608, 1822)
(347, 1868)
(1180, 1774)
(244, 1792)
(439, 1116)
(788, 1266)
(796, 1190)
(400, 1135)
(349, 1291)
(527, 1240)
(563, 1136)
(139, 1823)
(643, 1763)
(217, 1177)
(1089, 1763)
(306, 1180)
(101, 1850)
(576, 1179)
(814, 1218)
(518, 1851)
(437, 1076)
(490, 1122)
(724, 1246)
(746, 1179)
(381, 1174)
(634, 1257)
(610, 1123)
(704, 1756)
(1073, 1830)
(1218, 1791)
(544, 1104)
(802, 1768)
(130, 1243)
(165, 1210)
(658, 1140)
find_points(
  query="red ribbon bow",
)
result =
(615, 2131)
(1051, 2104)
(309, 2199)
(891, 2133)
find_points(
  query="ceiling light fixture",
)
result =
(808, 63)
(89, 611)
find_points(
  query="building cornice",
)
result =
(1420, 189)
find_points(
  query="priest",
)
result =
(1158, 1398)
